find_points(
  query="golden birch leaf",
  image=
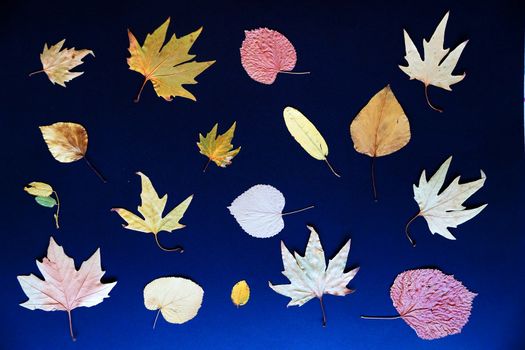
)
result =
(380, 128)
(307, 135)
(218, 148)
(240, 293)
(177, 299)
(57, 63)
(39, 189)
(168, 67)
(68, 143)
(151, 209)
(438, 64)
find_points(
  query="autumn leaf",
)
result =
(309, 275)
(169, 66)
(218, 148)
(240, 293)
(151, 208)
(307, 135)
(381, 128)
(42, 193)
(68, 143)
(57, 63)
(259, 211)
(433, 304)
(266, 53)
(444, 209)
(64, 288)
(438, 64)
(177, 299)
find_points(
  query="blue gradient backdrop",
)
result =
(353, 49)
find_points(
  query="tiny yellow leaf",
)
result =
(67, 142)
(218, 148)
(39, 189)
(240, 293)
(168, 67)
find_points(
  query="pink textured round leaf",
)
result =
(265, 53)
(433, 304)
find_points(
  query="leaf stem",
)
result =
(298, 210)
(373, 176)
(206, 166)
(70, 325)
(408, 233)
(95, 169)
(330, 166)
(156, 317)
(322, 311)
(428, 100)
(381, 317)
(290, 72)
(58, 209)
(136, 100)
(36, 72)
(177, 249)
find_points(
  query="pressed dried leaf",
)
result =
(177, 299)
(57, 63)
(435, 305)
(218, 148)
(64, 288)
(444, 208)
(438, 64)
(259, 211)
(266, 53)
(310, 277)
(307, 135)
(380, 128)
(240, 293)
(48, 202)
(39, 189)
(67, 142)
(151, 208)
(168, 66)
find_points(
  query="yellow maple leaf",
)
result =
(168, 67)
(56, 63)
(151, 208)
(218, 148)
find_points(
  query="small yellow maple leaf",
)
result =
(56, 63)
(168, 67)
(151, 208)
(218, 148)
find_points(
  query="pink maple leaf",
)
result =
(266, 53)
(433, 304)
(64, 288)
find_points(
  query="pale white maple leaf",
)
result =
(309, 277)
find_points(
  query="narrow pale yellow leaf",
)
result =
(39, 189)
(240, 293)
(306, 134)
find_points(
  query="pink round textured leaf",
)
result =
(433, 304)
(265, 53)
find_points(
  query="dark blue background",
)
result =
(352, 49)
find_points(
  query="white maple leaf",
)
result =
(437, 66)
(445, 209)
(309, 275)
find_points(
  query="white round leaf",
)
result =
(178, 299)
(259, 211)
